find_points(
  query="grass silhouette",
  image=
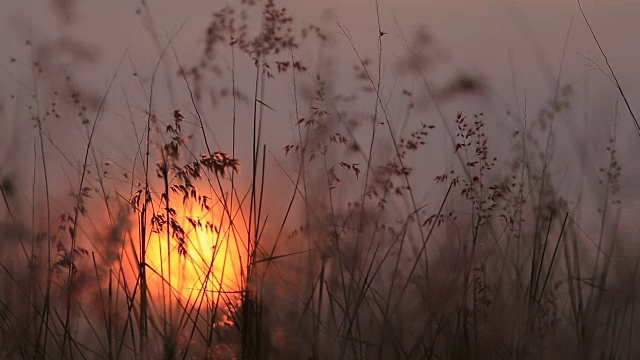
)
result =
(191, 235)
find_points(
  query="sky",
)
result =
(519, 48)
(484, 35)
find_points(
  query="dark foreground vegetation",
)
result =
(255, 204)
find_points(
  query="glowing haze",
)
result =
(206, 266)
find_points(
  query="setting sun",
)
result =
(198, 259)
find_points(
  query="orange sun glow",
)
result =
(209, 266)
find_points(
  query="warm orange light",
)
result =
(209, 268)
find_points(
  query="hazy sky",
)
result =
(515, 45)
(487, 36)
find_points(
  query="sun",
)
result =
(197, 258)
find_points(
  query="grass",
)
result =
(197, 235)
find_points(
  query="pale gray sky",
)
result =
(515, 45)
(481, 35)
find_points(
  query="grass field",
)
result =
(262, 203)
